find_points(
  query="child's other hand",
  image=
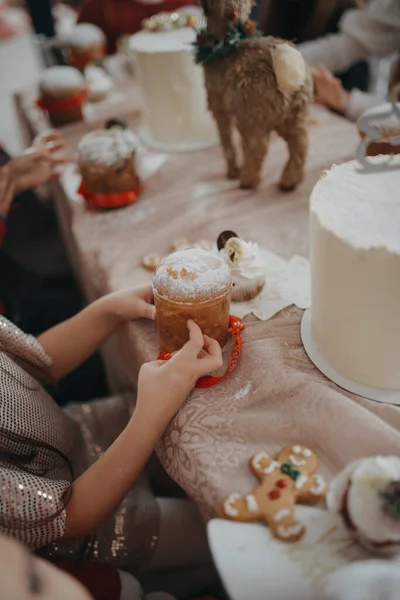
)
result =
(39, 163)
(163, 386)
(329, 90)
(49, 140)
(131, 304)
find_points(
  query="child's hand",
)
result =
(329, 90)
(50, 141)
(163, 386)
(39, 163)
(131, 304)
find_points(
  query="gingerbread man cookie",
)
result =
(288, 479)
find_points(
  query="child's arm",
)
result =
(70, 343)
(162, 388)
(372, 32)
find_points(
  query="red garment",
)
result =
(102, 581)
(122, 17)
(2, 229)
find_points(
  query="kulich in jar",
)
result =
(62, 93)
(86, 44)
(385, 121)
(192, 284)
(106, 161)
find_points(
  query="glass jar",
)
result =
(212, 316)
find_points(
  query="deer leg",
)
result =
(225, 128)
(255, 147)
(296, 137)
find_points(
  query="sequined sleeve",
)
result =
(32, 507)
(13, 340)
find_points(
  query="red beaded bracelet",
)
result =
(2, 228)
(236, 327)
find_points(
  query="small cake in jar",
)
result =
(385, 120)
(366, 495)
(246, 263)
(106, 161)
(86, 44)
(62, 94)
(192, 284)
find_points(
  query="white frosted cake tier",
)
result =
(175, 110)
(355, 273)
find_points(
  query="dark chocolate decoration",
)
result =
(391, 500)
(224, 237)
(117, 123)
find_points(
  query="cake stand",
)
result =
(372, 393)
(147, 139)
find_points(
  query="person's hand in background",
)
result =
(39, 163)
(50, 141)
(329, 90)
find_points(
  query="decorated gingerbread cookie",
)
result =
(150, 262)
(288, 479)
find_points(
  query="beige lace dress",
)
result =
(32, 496)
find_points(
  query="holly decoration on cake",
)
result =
(208, 47)
(391, 500)
(288, 469)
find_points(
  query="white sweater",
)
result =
(372, 32)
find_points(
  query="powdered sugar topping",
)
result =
(190, 274)
(107, 146)
(85, 35)
(61, 79)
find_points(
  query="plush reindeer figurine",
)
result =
(256, 84)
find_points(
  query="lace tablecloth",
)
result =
(276, 396)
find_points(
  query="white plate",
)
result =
(254, 565)
(366, 391)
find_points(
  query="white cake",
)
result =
(176, 116)
(355, 273)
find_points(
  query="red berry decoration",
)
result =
(233, 16)
(274, 494)
(281, 483)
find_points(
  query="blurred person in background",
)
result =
(13, 21)
(37, 286)
(306, 20)
(364, 33)
(118, 18)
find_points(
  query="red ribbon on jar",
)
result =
(112, 200)
(236, 327)
(64, 104)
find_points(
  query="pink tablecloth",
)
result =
(276, 396)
